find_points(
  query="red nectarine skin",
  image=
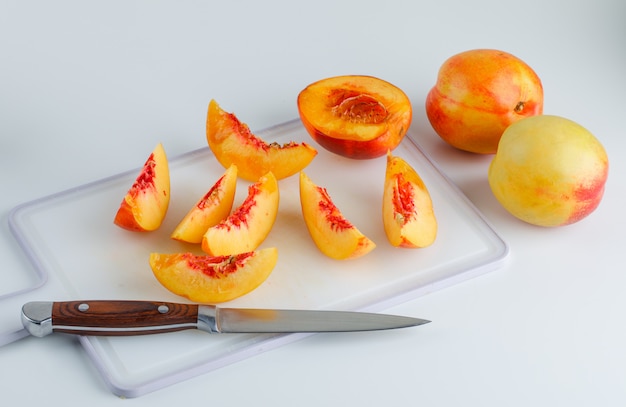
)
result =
(125, 219)
(588, 197)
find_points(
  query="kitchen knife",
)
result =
(125, 318)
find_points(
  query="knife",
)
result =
(126, 318)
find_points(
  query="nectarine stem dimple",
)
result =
(360, 108)
(519, 107)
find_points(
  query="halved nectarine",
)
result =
(408, 215)
(355, 116)
(332, 233)
(211, 209)
(145, 204)
(213, 279)
(248, 226)
(232, 142)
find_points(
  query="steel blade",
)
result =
(243, 320)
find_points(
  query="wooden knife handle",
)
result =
(122, 318)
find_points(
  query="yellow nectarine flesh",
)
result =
(211, 209)
(213, 279)
(331, 232)
(249, 224)
(408, 216)
(232, 142)
(355, 116)
(145, 204)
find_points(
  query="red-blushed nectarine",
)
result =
(478, 94)
(355, 116)
(232, 142)
(331, 232)
(145, 204)
(408, 216)
(549, 171)
(213, 279)
(248, 226)
(211, 209)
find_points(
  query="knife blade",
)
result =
(127, 317)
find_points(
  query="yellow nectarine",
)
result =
(549, 171)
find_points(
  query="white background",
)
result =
(86, 88)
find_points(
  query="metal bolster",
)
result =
(208, 319)
(37, 318)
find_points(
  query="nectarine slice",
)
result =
(408, 216)
(331, 232)
(232, 142)
(248, 226)
(145, 204)
(213, 279)
(355, 116)
(211, 209)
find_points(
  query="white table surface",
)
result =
(87, 87)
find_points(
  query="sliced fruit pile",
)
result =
(232, 264)
(484, 101)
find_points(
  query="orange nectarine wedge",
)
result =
(331, 232)
(232, 142)
(248, 226)
(145, 204)
(408, 216)
(213, 279)
(211, 209)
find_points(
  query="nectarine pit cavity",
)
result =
(357, 107)
(211, 195)
(145, 179)
(241, 215)
(330, 211)
(217, 266)
(403, 201)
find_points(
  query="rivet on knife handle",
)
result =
(108, 318)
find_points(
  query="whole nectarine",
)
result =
(549, 171)
(478, 94)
